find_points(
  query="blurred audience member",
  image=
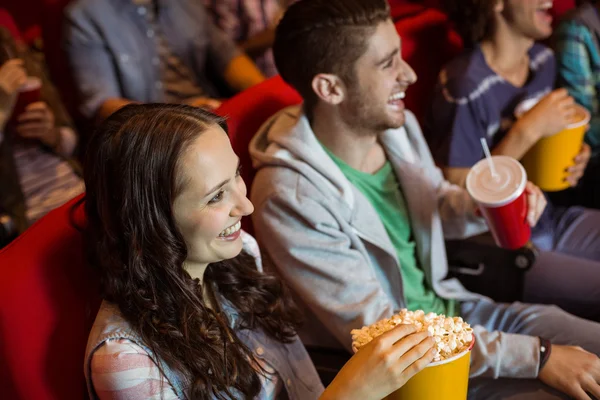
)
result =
(124, 51)
(479, 91)
(36, 172)
(577, 45)
(251, 23)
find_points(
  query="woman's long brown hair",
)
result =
(131, 176)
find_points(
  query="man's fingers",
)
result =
(579, 394)
(536, 203)
(584, 154)
(541, 206)
(532, 202)
(559, 93)
(592, 387)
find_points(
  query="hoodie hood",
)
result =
(287, 140)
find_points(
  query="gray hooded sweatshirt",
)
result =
(325, 239)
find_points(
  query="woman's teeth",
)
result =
(231, 230)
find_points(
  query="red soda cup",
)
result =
(502, 199)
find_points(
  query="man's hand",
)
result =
(536, 203)
(581, 162)
(12, 77)
(551, 115)
(37, 122)
(573, 371)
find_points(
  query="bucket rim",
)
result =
(456, 357)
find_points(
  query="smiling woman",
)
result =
(164, 200)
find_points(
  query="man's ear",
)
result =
(329, 88)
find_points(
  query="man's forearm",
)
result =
(241, 73)
(517, 141)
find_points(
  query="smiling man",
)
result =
(352, 212)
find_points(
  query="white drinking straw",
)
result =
(486, 150)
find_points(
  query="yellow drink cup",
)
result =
(546, 162)
(447, 379)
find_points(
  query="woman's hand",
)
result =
(12, 77)
(383, 366)
(37, 122)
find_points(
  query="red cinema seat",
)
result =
(245, 114)
(559, 7)
(7, 21)
(48, 303)
(27, 16)
(428, 43)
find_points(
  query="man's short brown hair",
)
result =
(324, 36)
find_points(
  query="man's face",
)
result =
(374, 99)
(531, 18)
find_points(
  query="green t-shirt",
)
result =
(383, 191)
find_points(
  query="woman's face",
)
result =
(212, 200)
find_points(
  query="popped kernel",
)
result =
(452, 335)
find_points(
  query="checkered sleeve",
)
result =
(574, 49)
(228, 15)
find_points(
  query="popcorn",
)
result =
(452, 336)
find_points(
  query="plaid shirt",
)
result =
(578, 59)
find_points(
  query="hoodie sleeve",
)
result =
(306, 246)
(504, 355)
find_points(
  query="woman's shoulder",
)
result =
(121, 369)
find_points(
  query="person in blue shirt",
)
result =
(476, 97)
(123, 51)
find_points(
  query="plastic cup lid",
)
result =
(496, 191)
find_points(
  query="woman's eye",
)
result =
(389, 64)
(218, 197)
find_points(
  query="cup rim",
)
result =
(32, 83)
(456, 357)
(509, 199)
(582, 122)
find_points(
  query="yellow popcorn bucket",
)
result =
(546, 162)
(447, 379)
